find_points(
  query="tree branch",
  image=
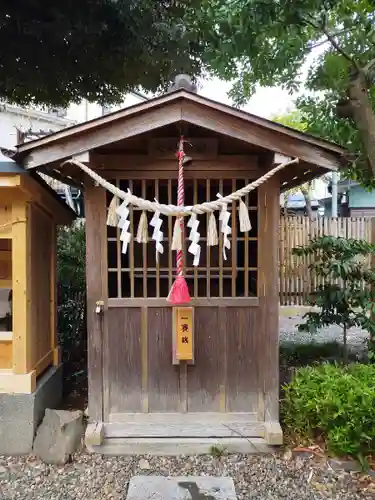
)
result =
(341, 51)
(369, 66)
(331, 39)
(339, 33)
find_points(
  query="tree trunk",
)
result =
(363, 115)
(309, 210)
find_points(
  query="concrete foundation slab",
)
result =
(181, 488)
(20, 414)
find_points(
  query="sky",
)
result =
(266, 102)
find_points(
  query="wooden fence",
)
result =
(296, 282)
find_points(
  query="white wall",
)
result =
(13, 117)
(88, 111)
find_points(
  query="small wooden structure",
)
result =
(29, 214)
(139, 399)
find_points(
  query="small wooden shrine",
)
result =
(167, 377)
(29, 214)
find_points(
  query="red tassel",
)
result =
(179, 293)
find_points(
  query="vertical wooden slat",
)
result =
(297, 243)
(205, 376)
(304, 274)
(157, 260)
(296, 280)
(291, 267)
(195, 201)
(183, 402)
(223, 334)
(208, 249)
(234, 241)
(163, 377)
(118, 255)
(96, 265)
(170, 231)
(123, 375)
(281, 262)
(269, 195)
(220, 248)
(53, 293)
(131, 249)
(246, 244)
(371, 239)
(144, 355)
(144, 249)
(21, 286)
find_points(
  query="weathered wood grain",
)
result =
(184, 430)
(95, 213)
(177, 418)
(204, 376)
(124, 372)
(243, 329)
(268, 348)
(40, 278)
(163, 377)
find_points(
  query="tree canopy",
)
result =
(267, 42)
(55, 53)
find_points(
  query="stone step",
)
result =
(175, 446)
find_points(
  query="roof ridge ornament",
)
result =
(184, 82)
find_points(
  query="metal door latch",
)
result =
(99, 309)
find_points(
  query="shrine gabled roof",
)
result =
(174, 108)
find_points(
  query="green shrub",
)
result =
(347, 295)
(337, 402)
(72, 304)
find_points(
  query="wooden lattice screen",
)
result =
(137, 274)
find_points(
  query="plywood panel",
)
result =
(40, 248)
(244, 335)
(204, 376)
(163, 377)
(5, 220)
(5, 355)
(21, 281)
(123, 378)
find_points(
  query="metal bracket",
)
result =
(99, 309)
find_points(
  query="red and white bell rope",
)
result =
(179, 293)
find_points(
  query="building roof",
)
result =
(180, 108)
(11, 167)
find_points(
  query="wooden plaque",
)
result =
(183, 334)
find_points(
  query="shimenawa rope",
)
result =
(152, 206)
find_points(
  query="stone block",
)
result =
(58, 436)
(181, 488)
(16, 437)
(20, 414)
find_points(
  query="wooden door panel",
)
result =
(163, 376)
(123, 379)
(204, 378)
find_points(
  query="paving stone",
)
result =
(345, 465)
(181, 488)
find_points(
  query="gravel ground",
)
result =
(289, 333)
(94, 477)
